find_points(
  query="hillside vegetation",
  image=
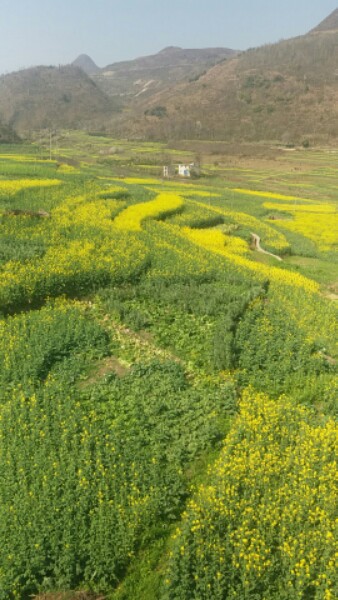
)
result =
(50, 97)
(286, 91)
(142, 77)
(168, 393)
(7, 134)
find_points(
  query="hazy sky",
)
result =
(56, 31)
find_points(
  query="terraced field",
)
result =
(169, 393)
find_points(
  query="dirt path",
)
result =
(257, 245)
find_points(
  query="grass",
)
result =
(323, 271)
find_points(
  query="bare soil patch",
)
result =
(107, 365)
(332, 291)
(331, 296)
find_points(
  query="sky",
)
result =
(53, 32)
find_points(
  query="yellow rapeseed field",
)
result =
(11, 186)
(131, 218)
(318, 222)
(266, 519)
(269, 195)
(216, 241)
(275, 274)
(270, 236)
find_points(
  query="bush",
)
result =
(157, 111)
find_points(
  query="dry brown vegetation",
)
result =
(145, 76)
(44, 97)
(286, 91)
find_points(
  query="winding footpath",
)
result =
(257, 245)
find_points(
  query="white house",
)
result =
(184, 170)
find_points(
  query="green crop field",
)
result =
(168, 383)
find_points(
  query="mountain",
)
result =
(329, 24)
(43, 97)
(286, 92)
(148, 74)
(86, 64)
(83, 96)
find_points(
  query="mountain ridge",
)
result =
(330, 23)
(286, 92)
(146, 74)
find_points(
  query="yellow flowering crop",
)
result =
(270, 236)
(318, 222)
(266, 518)
(131, 218)
(138, 180)
(65, 168)
(269, 195)
(186, 193)
(323, 208)
(11, 186)
(84, 249)
(216, 241)
(264, 271)
(83, 211)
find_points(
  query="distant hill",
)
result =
(86, 64)
(286, 91)
(43, 97)
(148, 74)
(329, 24)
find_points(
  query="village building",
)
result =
(184, 170)
(190, 170)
